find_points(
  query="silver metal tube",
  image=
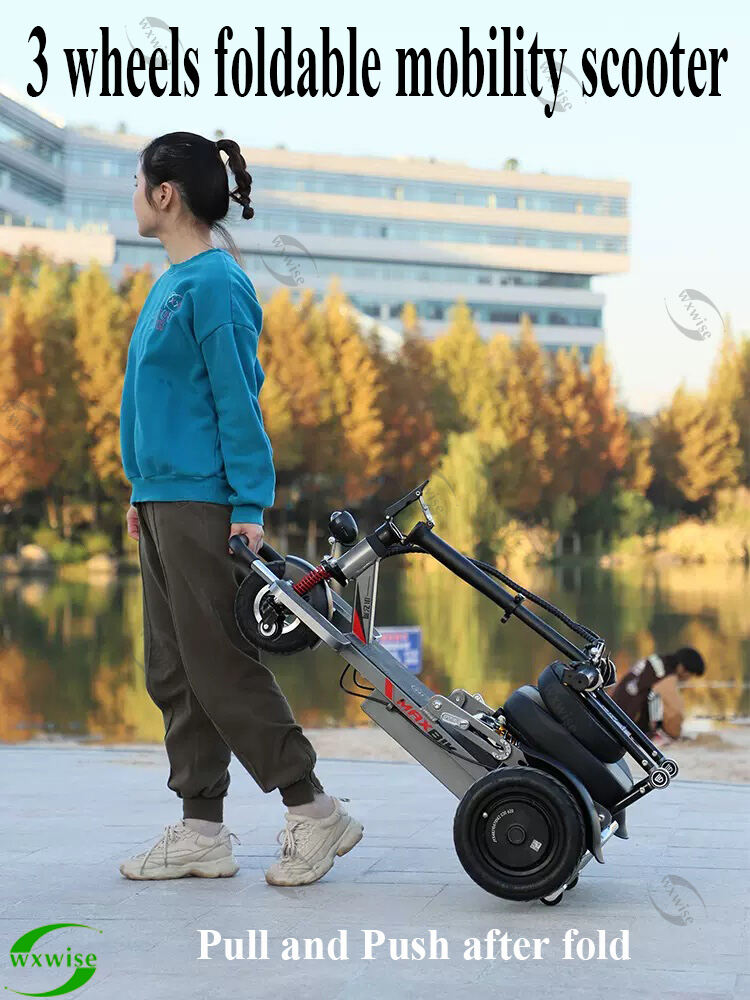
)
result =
(607, 832)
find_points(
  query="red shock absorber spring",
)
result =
(309, 580)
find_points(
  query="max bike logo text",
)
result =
(23, 958)
(413, 714)
(171, 306)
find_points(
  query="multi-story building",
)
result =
(394, 230)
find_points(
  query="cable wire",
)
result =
(585, 633)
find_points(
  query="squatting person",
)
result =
(200, 464)
(658, 675)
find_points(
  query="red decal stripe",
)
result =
(389, 689)
(357, 627)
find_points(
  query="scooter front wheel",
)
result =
(519, 833)
(267, 624)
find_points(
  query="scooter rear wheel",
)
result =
(519, 833)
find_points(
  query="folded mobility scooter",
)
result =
(543, 782)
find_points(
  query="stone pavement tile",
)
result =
(403, 878)
(422, 859)
(725, 821)
(613, 888)
(376, 902)
(734, 859)
(716, 838)
(382, 876)
(573, 979)
(160, 986)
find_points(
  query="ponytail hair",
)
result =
(193, 164)
(237, 165)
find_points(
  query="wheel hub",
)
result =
(517, 835)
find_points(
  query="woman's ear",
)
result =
(166, 194)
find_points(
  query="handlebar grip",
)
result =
(240, 548)
(269, 554)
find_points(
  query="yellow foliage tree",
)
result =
(101, 342)
(411, 441)
(38, 380)
(291, 395)
(522, 470)
(695, 449)
(352, 423)
(464, 379)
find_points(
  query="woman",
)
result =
(201, 467)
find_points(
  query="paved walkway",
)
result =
(679, 887)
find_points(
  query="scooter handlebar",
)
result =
(241, 549)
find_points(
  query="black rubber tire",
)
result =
(293, 641)
(555, 901)
(565, 705)
(548, 797)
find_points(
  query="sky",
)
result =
(685, 157)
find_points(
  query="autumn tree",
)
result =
(39, 382)
(102, 335)
(463, 380)
(411, 440)
(291, 392)
(607, 444)
(521, 471)
(694, 451)
(729, 386)
(23, 462)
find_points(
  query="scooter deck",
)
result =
(398, 702)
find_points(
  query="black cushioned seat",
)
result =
(566, 706)
(526, 712)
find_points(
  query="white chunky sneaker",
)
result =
(183, 851)
(309, 846)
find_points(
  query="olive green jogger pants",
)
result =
(216, 696)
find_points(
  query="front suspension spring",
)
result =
(309, 580)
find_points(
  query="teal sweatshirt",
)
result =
(190, 423)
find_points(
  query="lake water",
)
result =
(71, 653)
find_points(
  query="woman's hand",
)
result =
(131, 518)
(253, 533)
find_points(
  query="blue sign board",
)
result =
(405, 643)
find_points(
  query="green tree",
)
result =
(463, 379)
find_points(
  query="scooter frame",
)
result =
(458, 738)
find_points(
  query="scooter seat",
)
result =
(526, 712)
(566, 706)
